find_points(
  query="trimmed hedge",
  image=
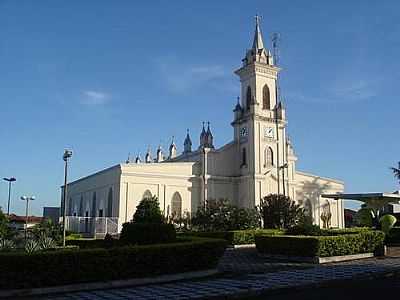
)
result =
(394, 236)
(235, 237)
(89, 243)
(340, 231)
(147, 233)
(19, 270)
(322, 246)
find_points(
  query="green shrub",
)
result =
(235, 237)
(148, 211)
(48, 229)
(40, 269)
(304, 229)
(394, 236)
(7, 245)
(387, 222)
(340, 231)
(143, 233)
(74, 236)
(220, 215)
(323, 246)
(72, 266)
(279, 211)
(91, 243)
(364, 217)
(314, 230)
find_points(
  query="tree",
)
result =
(148, 211)
(4, 227)
(396, 171)
(364, 217)
(387, 222)
(279, 211)
(220, 215)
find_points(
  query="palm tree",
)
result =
(396, 171)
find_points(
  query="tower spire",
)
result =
(258, 40)
(187, 145)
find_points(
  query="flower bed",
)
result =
(19, 270)
(321, 246)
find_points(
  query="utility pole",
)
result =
(27, 199)
(10, 181)
(66, 156)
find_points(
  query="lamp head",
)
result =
(11, 179)
(67, 154)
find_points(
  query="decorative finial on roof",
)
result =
(187, 145)
(148, 156)
(138, 160)
(258, 40)
(238, 107)
(128, 160)
(172, 149)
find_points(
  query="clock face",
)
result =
(243, 131)
(268, 132)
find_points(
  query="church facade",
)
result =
(259, 160)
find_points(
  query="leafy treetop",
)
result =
(148, 211)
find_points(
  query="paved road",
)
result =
(351, 290)
(251, 283)
(246, 272)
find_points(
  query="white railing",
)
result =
(92, 225)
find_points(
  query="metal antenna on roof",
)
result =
(276, 39)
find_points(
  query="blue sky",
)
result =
(105, 78)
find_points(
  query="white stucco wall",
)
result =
(311, 187)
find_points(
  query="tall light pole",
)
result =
(27, 199)
(66, 156)
(10, 180)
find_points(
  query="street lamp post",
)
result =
(10, 181)
(27, 199)
(66, 156)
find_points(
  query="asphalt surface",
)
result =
(352, 289)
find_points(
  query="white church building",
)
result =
(259, 160)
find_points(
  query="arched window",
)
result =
(110, 203)
(80, 213)
(147, 194)
(94, 205)
(176, 205)
(268, 157)
(308, 207)
(266, 98)
(248, 98)
(244, 157)
(70, 207)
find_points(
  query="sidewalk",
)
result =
(247, 284)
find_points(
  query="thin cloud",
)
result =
(91, 97)
(181, 78)
(339, 92)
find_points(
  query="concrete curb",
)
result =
(318, 260)
(106, 284)
(244, 246)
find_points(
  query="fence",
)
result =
(92, 225)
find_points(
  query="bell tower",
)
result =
(259, 124)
